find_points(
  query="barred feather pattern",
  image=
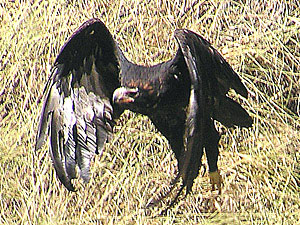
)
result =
(79, 123)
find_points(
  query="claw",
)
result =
(216, 180)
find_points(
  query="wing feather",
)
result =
(77, 109)
(218, 77)
(193, 139)
(211, 78)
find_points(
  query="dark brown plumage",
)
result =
(92, 83)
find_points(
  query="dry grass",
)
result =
(260, 166)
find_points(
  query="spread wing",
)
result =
(211, 78)
(77, 111)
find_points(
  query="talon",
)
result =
(216, 180)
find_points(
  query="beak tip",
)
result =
(122, 95)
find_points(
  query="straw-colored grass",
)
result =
(260, 166)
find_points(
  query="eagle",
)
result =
(92, 83)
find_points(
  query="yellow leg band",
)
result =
(215, 180)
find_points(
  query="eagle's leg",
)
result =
(211, 139)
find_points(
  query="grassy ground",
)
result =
(260, 166)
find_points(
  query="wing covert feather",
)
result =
(217, 71)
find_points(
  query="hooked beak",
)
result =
(124, 95)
